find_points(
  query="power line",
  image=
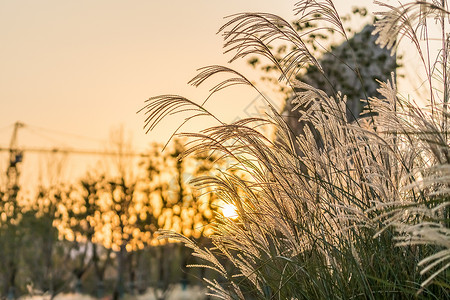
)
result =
(78, 136)
(14, 148)
(43, 136)
(73, 151)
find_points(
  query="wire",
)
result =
(76, 151)
(58, 149)
(79, 136)
(54, 141)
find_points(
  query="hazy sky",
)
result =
(86, 66)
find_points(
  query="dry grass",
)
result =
(363, 211)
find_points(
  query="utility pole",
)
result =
(12, 174)
(15, 157)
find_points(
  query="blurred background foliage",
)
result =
(98, 235)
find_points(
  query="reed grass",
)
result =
(362, 214)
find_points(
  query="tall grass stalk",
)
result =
(362, 214)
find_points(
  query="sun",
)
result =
(229, 211)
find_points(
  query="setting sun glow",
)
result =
(229, 211)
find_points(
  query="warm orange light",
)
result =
(229, 211)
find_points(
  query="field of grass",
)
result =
(347, 209)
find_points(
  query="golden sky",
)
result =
(85, 66)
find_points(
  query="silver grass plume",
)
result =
(323, 224)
